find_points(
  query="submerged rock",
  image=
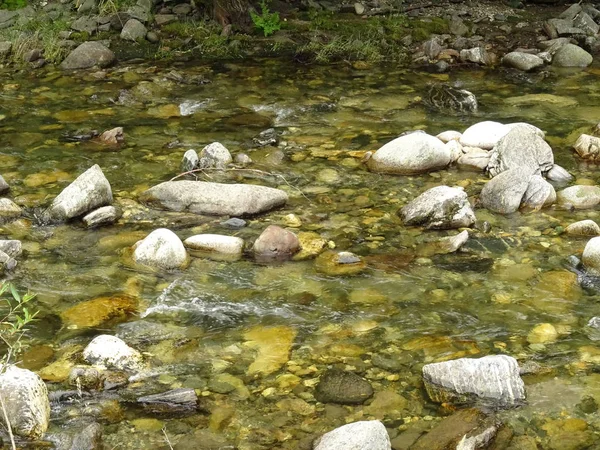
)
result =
(276, 243)
(492, 380)
(112, 353)
(11, 247)
(272, 346)
(451, 100)
(215, 246)
(410, 154)
(364, 435)
(89, 191)
(4, 187)
(96, 312)
(176, 401)
(339, 263)
(102, 216)
(9, 210)
(26, 403)
(218, 199)
(87, 55)
(441, 207)
(345, 388)
(161, 249)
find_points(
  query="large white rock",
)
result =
(364, 435)
(25, 398)
(216, 246)
(410, 154)
(89, 191)
(112, 353)
(579, 197)
(484, 135)
(161, 249)
(591, 256)
(583, 228)
(441, 207)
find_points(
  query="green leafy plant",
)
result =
(267, 21)
(13, 4)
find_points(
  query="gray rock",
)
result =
(165, 19)
(345, 388)
(565, 27)
(243, 159)
(364, 435)
(276, 243)
(539, 193)
(4, 187)
(474, 158)
(591, 11)
(87, 55)
(579, 197)
(9, 210)
(88, 7)
(492, 380)
(588, 147)
(112, 353)
(86, 436)
(571, 12)
(484, 135)
(102, 216)
(7, 18)
(161, 249)
(89, 191)
(441, 207)
(85, 25)
(457, 27)
(432, 48)
(583, 228)
(551, 46)
(215, 246)
(214, 198)
(190, 161)
(5, 49)
(26, 402)
(214, 155)
(584, 22)
(570, 55)
(234, 223)
(6, 262)
(521, 148)
(11, 247)
(176, 401)
(503, 193)
(410, 154)
(522, 61)
(359, 8)
(141, 11)
(182, 9)
(477, 55)
(591, 256)
(134, 30)
(559, 175)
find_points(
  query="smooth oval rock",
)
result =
(215, 246)
(161, 249)
(112, 353)
(570, 55)
(579, 197)
(441, 207)
(504, 193)
(102, 216)
(214, 155)
(591, 256)
(522, 61)
(345, 388)
(583, 228)
(364, 435)
(276, 243)
(410, 154)
(87, 55)
(484, 135)
(559, 175)
(218, 199)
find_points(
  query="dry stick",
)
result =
(3, 407)
(164, 430)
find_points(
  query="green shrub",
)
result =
(13, 4)
(267, 21)
(14, 318)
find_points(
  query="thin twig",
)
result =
(10, 433)
(164, 430)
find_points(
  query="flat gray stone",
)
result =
(102, 216)
(87, 55)
(364, 435)
(134, 30)
(522, 61)
(441, 207)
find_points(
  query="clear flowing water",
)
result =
(218, 318)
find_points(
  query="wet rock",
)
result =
(266, 138)
(78, 437)
(450, 100)
(492, 380)
(579, 197)
(225, 383)
(11, 247)
(99, 311)
(243, 159)
(87, 55)
(112, 353)
(559, 175)
(410, 154)
(521, 148)
(134, 30)
(161, 249)
(234, 223)
(215, 246)
(476, 55)
(214, 155)
(106, 215)
(345, 388)
(569, 434)
(522, 61)
(311, 245)
(272, 346)
(591, 256)
(89, 191)
(276, 243)
(201, 197)
(26, 403)
(113, 136)
(88, 378)
(441, 207)
(339, 264)
(484, 135)
(583, 228)
(190, 161)
(445, 245)
(570, 55)
(588, 147)
(180, 401)
(4, 187)
(8, 210)
(543, 333)
(363, 435)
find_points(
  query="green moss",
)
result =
(423, 29)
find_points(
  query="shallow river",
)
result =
(253, 339)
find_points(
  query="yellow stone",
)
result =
(93, 313)
(56, 372)
(42, 178)
(147, 424)
(272, 344)
(544, 333)
(589, 354)
(311, 245)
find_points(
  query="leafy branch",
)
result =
(267, 21)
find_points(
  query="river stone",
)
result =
(410, 154)
(214, 155)
(584, 22)
(11, 247)
(441, 207)
(539, 193)
(89, 191)
(521, 148)
(112, 353)
(272, 345)
(161, 249)
(134, 30)
(99, 311)
(339, 263)
(571, 55)
(102, 216)
(543, 333)
(345, 388)
(218, 199)
(4, 187)
(591, 256)
(522, 61)
(559, 175)
(445, 245)
(456, 150)
(364, 435)
(484, 135)
(87, 55)
(583, 228)
(215, 246)
(492, 379)
(25, 398)
(579, 197)
(588, 147)
(474, 158)
(503, 193)
(276, 243)
(190, 161)
(9, 210)
(449, 135)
